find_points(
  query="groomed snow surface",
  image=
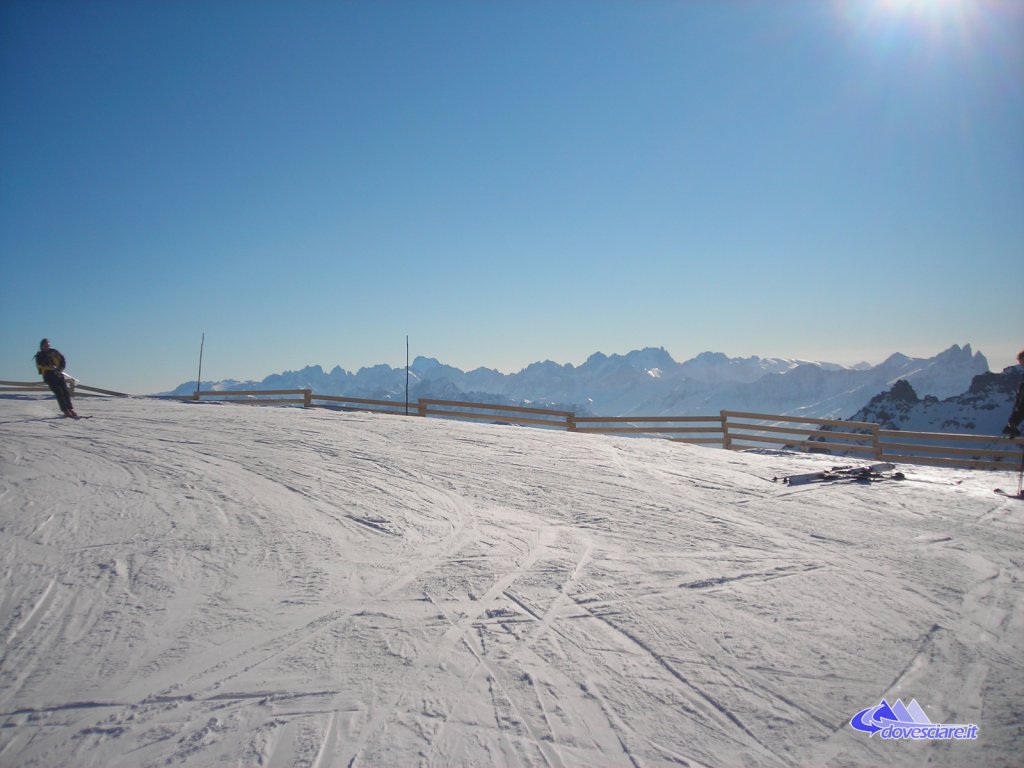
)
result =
(217, 585)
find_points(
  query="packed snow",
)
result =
(221, 585)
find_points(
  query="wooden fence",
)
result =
(733, 430)
(74, 387)
(746, 430)
(947, 450)
(340, 403)
(833, 436)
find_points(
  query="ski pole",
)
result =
(1020, 476)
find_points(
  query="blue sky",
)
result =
(308, 182)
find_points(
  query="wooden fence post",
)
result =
(307, 398)
(421, 408)
(726, 440)
(570, 422)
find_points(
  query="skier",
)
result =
(51, 365)
(1011, 429)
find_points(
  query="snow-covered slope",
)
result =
(203, 585)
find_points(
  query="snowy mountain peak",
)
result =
(982, 409)
(895, 359)
(423, 365)
(547, 365)
(650, 358)
(716, 367)
(903, 392)
(958, 355)
(711, 358)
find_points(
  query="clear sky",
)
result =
(308, 182)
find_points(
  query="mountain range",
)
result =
(983, 409)
(648, 382)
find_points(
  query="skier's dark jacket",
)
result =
(1017, 416)
(50, 361)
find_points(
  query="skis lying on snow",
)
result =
(1007, 494)
(865, 473)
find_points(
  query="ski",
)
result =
(1008, 495)
(846, 472)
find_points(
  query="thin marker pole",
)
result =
(407, 375)
(199, 378)
(1020, 477)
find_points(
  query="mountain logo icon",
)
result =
(907, 721)
(874, 719)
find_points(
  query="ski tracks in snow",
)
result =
(300, 588)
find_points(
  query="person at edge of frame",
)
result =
(1012, 428)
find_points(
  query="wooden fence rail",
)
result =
(74, 387)
(712, 433)
(23, 386)
(506, 414)
(366, 405)
(99, 391)
(733, 430)
(259, 397)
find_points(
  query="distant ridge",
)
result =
(647, 382)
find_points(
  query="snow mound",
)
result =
(203, 584)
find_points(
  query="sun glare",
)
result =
(929, 12)
(950, 13)
(924, 7)
(937, 21)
